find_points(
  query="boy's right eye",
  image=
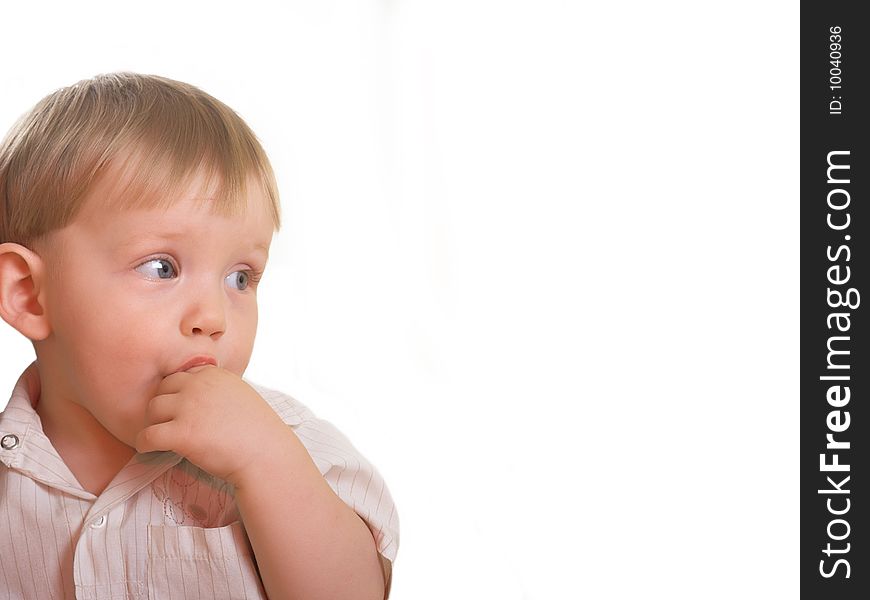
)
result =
(157, 268)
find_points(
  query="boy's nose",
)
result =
(206, 316)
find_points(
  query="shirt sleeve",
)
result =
(349, 474)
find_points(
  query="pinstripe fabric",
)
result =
(163, 528)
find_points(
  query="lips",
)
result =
(196, 361)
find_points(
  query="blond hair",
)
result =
(156, 133)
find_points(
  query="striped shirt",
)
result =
(163, 528)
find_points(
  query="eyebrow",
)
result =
(174, 236)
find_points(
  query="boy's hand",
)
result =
(214, 419)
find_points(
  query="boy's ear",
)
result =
(22, 277)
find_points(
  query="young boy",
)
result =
(136, 215)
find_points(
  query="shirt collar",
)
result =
(24, 447)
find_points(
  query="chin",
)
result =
(127, 439)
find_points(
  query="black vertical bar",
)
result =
(835, 225)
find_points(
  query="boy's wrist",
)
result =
(283, 457)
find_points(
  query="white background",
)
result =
(539, 262)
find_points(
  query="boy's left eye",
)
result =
(239, 279)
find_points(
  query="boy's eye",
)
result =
(239, 279)
(160, 267)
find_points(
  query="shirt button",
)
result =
(9, 441)
(99, 522)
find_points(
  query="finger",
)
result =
(161, 409)
(162, 436)
(172, 383)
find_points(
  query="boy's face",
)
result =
(135, 294)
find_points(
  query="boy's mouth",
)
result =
(196, 361)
